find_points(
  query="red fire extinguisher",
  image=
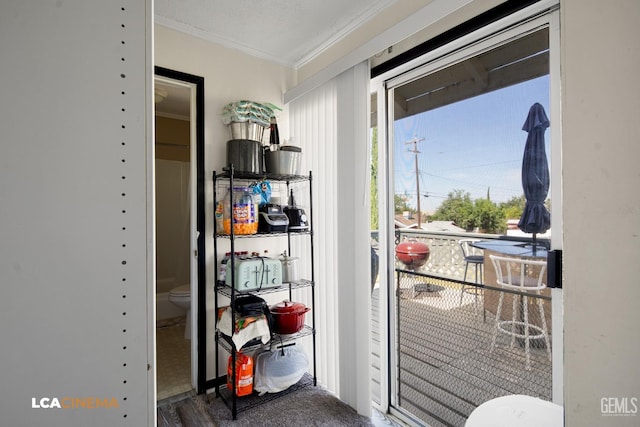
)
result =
(244, 374)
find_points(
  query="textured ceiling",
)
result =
(288, 32)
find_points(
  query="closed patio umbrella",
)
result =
(535, 174)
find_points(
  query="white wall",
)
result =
(600, 109)
(228, 76)
(75, 259)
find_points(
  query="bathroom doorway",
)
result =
(179, 211)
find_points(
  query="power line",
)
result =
(474, 184)
(480, 166)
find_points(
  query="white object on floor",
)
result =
(181, 296)
(516, 411)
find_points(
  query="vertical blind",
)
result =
(313, 128)
(330, 124)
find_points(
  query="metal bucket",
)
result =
(245, 155)
(283, 162)
(246, 130)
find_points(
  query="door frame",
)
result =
(197, 234)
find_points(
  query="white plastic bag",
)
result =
(277, 370)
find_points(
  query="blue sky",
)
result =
(473, 145)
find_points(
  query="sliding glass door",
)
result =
(454, 139)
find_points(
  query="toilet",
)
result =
(181, 296)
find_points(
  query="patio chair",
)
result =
(524, 276)
(471, 256)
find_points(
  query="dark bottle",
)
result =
(274, 135)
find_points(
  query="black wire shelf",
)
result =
(262, 176)
(224, 289)
(254, 399)
(225, 343)
(256, 235)
(276, 340)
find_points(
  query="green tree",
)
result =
(400, 203)
(488, 217)
(374, 180)
(468, 214)
(513, 207)
(457, 207)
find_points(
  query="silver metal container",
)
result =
(282, 162)
(245, 155)
(247, 130)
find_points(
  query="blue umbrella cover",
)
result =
(535, 173)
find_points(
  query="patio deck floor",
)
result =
(446, 365)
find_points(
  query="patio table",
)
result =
(512, 248)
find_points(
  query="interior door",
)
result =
(195, 108)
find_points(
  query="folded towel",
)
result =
(246, 328)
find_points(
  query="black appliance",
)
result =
(297, 217)
(271, 219)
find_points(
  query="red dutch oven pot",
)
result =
(288, 316)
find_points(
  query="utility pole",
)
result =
(415, 151)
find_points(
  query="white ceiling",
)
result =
(288, 32)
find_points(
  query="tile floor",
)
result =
(173, 360)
